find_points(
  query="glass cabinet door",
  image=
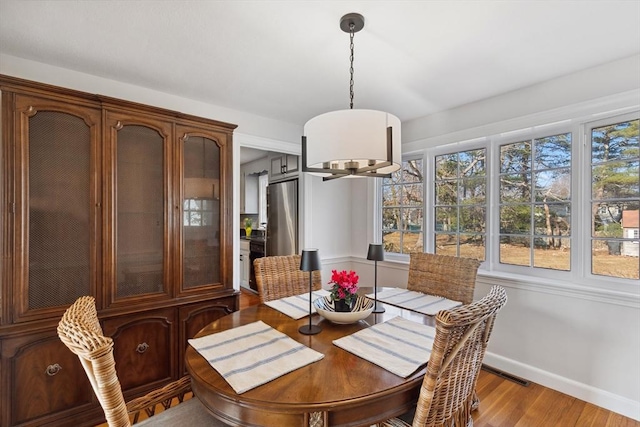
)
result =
(138, 194)
(55, 246)
(201, 213)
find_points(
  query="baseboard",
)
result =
(506, 375)
(604, 399)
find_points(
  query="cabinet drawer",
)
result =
(194, 317)
(39, 368)
(144, 349)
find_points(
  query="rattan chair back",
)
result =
(462, 335)
(79, 329)
(443, 275)
(280, 276)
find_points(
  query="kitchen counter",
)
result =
(256, 235)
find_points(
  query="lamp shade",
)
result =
(344, 136)
(310, 260)
(376, 253)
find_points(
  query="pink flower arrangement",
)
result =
(345, 285)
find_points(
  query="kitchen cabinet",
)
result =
(250, 194)
(283, 166)
(125, 202)
(245, 263)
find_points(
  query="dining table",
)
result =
(340, 389)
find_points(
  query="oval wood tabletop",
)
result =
(339, 390)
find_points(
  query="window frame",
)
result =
(432, 193)
(572, 119)
(530, 135)
(586, 127)
(399, 256)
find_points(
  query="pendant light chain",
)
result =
(351, 33)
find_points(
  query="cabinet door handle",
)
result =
(53, 369)
(142, 347)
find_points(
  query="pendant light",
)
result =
(353, 142)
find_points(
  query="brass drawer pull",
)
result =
(142, 347)
(53, 369)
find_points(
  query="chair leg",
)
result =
(475, 401)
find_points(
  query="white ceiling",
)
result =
(289, 60)
(250, 154)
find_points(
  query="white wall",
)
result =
(566, 336)
(615, 77)
(582, 345)
(249, 124)
(328, 223)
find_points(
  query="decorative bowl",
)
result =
(361, 309)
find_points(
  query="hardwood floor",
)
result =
(248, 298)
(505, 403)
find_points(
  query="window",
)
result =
(535, 202)
(402, 209)
(557, 199)
(615, 199)
(460, 204)
(198, 212)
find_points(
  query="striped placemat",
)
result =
(416, 301)
(297, 306)
(399, 345)
(253, 354)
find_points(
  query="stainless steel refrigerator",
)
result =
(282, 218)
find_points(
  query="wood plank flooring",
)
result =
(504, 403)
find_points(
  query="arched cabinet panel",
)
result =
(55, 227)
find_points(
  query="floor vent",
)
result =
(506, 375)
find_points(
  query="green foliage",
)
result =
(614, 152)
(403, 202)
(612, 230)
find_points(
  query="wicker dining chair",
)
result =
(462, 335)
(446, 276)
(79, 329)
(280, 276)
(443, 275)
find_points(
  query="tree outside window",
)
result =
(402, 209)
(535, 202)
(460, 204)
(615, 200)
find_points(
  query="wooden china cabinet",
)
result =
(125, 202)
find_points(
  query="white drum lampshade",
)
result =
(337, 138)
